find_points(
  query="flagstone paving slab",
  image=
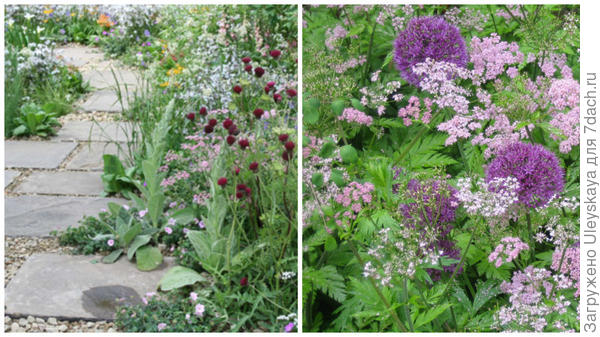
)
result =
(74, 287)
(103, 78)
(38, 215)
(90, 155)
(9, 176)
(100, 131)
(78, 56)
(105, 100)
(62, 182)
(34, 154)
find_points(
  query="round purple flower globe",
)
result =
(538, 171)
(428, 37)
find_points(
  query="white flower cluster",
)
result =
(37, 62)
(492, 200)
(287, 275)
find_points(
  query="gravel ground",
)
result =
(16, 251)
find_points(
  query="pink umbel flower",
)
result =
(352, 115)
(507, 251)
(199, 310)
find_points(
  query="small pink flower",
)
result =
(143, 213)
(110, 242)
(169, 230)
(126, 207)
(199, 310)
(289, 327)
(161, 326)
(193, 296)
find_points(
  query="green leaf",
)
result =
(327, 150)
(317, 179)
(139, 241)
(337, 107)
(485, 292)
(357, 105)
(113, 256)
(337, 177)
(310, 111)
(19, 130)
(430, 315)
(327, 280)
(112, 165)
(330, 244)
(132, 233)
(148, 258)
(178, 277)
(184, 216)
(348, 154)
(155, 207)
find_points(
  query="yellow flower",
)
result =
(164, 84)
(46, 20)
(72, 14)
(48, 11)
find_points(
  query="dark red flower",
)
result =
(258, 112)
(190, 116)
(253, 166)
(208, 128)
(244, 143)
(227, 123)
(248, 190)
(258, 71)
(291, 92)
(267, 88)
(277, 98)
(212, 122)
(203, 111)
(237, 170)
(275, 53)
(240, 187)
(230, 140)
(286, 155)
(239, 194)
(248, 68)
(270, 84)
(232, 129)
(289, 146)
(246, 59)
(222, 181)
(244, 281)
(283, 137)
(237, 89)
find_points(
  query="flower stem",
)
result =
(366, 74)
(462, 259)
(531, 240)
(406, 310)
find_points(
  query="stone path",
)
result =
(50, 185)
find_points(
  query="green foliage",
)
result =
(34, 121)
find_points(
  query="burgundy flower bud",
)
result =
(237, 170)
(232, 129)
(227, 123)
(208, 128)
(277, 98)
(267, 88)
(222, 181)
(270, 84)
(230, 140)
(203, 111)
(289, 146)
(283, 137)
(248, 69)
(237, 89)
(212, 122)
(285, 155)
(246, 59)
(236, 131)
(258, 113)
(239, 194)
(275, 53)
(258, 71)
(240, 187)
(244, 143)
(291, 92)
(244, 281)
(253, 166)
(248, 190)
(190, 116)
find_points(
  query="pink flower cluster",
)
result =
(507, 250)
(352, 115)
(490, 55)
(564, 94)
(351, 63)
(493, 200)
(570, 264)
(180, 175)
(355, 194)
(413, 109)
(337, 33)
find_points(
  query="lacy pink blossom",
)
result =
(508, 250)
(352, 115)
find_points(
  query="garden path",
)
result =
(51, 184)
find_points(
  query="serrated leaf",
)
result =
(485, 292)
(327, 280)
(430, 315)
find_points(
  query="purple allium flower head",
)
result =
(538, 171)
(428, 37)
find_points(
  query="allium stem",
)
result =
(406, 310)
(462, 259)
(528, 133)
(366, 73)
(531, 240)
(397, 321)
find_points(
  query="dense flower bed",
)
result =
(441, 168)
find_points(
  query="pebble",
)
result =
(7, 319)
(39, 320)
(62, 328)
(14, 327)
(52, 321)
(30, 319)
(22, 321)
(51, 329)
